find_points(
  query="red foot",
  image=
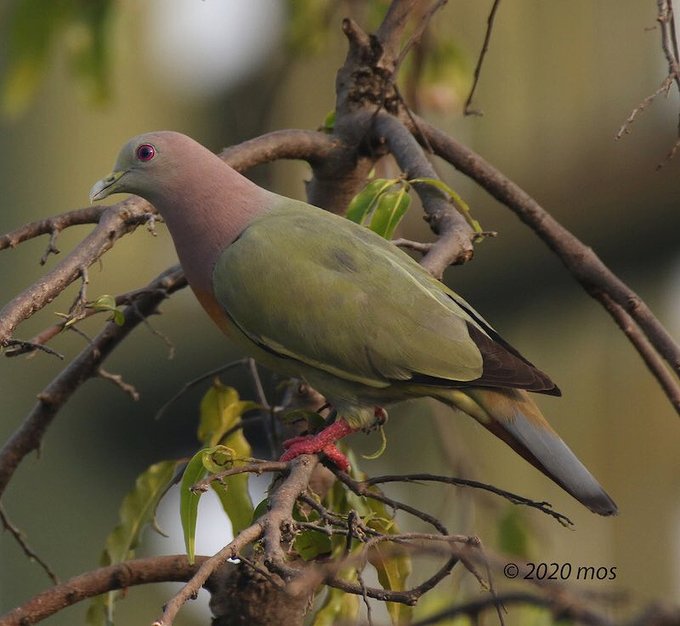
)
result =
(380, 416)
(323, 441)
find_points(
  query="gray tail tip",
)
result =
(600, 503)
(546, 451)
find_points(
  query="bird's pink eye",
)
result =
(146, 152)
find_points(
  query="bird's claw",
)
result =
(298, 446)
(322, 442)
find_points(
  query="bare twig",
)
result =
(663, 88)
(308, 145)
(27, 550)
(255, 467)
(51, 247)
(417, 34)
(16, 347)
(362, 489)
(29, 434)
(480, 60)
(118, 380)
(418, 543)
(544, 507)
(52, 225)
(114, 222)
(645, 349)
(474, 608)
(393, 25)
(196, 381)
(417, 246)
(669, 44)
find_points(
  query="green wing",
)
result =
(311, 286)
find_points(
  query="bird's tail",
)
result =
(512, 415)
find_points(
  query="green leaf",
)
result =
(329, 122)
(458, 202)
(390, 208)
(235, 498)
(221, 411)
(392, 565)
(188, 501)
(310, 543)
(513, 533)
(118, 317)
(104, 303)
(338, 607)
(137, 510)
(261, 509)
(365, 201)
(98, 612)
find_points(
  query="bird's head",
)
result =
(142, 165)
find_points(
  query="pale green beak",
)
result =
(106, 186)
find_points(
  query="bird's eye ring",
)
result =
(145, 152)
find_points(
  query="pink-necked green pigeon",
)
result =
(313, 295)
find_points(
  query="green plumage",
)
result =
(314, 295)
(322, 291)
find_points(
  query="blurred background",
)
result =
(558, 82)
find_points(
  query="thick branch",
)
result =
(454, 242)
(308, 145)
(392, 28)
(337, 172)
(137, 572)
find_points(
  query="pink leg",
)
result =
(323, 441)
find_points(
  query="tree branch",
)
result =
(454, 241)
(114, 222)
(27, 550)
(467, 110)
(270, 527)
(581, 261)
(156, 569)
(308, 145)
(544, 507)
(50, 225)
(29, 434)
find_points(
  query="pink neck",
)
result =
(212, 224)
